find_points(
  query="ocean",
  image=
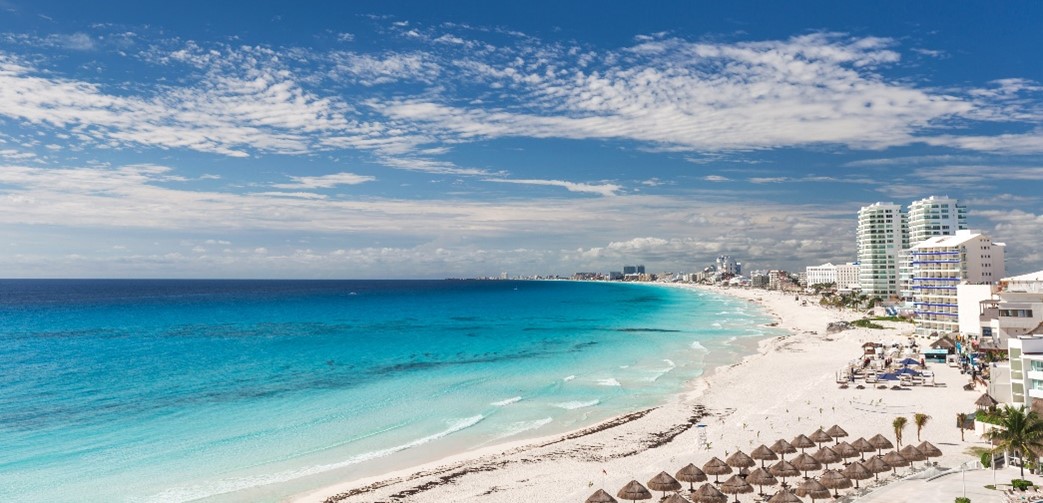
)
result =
(143, 391)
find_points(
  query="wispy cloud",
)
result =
(324, 181)
(607, 189)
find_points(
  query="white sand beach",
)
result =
(787, 388)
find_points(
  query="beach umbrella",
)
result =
(911, 453)
(716, 467)
(910, 361)
(736, 485)
(634, 491)
(813, 489)
(783, 469)
(834, 480)
(763, 453)
(707, 493)
(674, 498)
(863, 446)
(601, 497)
(740, 460)
(986, 402)
(690, 474)
(894, 459)
(802, 442)
(836, 432)
(846, 450)
(820, 437)
(805, 462)
(826, 455)
(856, 471)
(760, 478)
(782, 448)
(880, 442)
(929, 450)
(664, 482)
(877, 465)
(784, 496)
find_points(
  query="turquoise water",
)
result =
(258, 390)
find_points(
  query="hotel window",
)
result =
(1036, 365)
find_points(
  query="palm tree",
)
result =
(920, 420)
(899, 425)
(1018, 431)
(961, 418)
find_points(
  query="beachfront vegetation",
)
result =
(1019, 430)
(896, 319)
(920, 420)
(867, 323)
(984, 416)
(1020, 484)
(963, 499)
(899, 424)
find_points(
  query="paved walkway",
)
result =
(947, 488)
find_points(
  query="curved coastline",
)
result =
(412, 482)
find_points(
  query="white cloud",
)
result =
(607, 189)
(716, 178)
(324, 181)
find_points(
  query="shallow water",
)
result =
(256, 390)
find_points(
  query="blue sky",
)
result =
(427, 139)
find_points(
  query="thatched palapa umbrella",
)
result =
(802, 442)
(894, 460)
(674, 498)
(846, 450)
(634, 491)
(601, 497)
(707, 493)
(820, 437)
(836, 432)
(782, 448)
(805, 463)
(716, 467)
(784, 496)
(813, 489)
(986, 402)
(690, 474)
(664, 482)
(863, 447)
(763, 453)
(760, 478)
(783, 469)
(877, 465)
(741, 461)
(929, 449)
(826, 456)
(856, 471)
(834, 480)
(736, 485)
(880, 442)
(911, 453)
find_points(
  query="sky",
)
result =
(397, 139)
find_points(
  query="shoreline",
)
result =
(785, 387)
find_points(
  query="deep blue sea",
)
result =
(117, 390)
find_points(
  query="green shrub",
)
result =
(986, 459)
(866, 323)
(963, 499)
(1020, 484)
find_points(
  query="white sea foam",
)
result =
(523, 426)
(229, 485)
(576, 405)
(568, 378)
(698, 346)
(508, 401)
(663, 372)
(715, 325)
(608, 382)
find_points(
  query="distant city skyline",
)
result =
(423, 140)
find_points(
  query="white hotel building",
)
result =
(844, 276)
(881, 238)
(929, 217)
(939, 265)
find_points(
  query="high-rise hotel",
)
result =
(882, 237)
(930, 217)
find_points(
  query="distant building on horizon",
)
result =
(881, 236)
(728, 265)
(844, 276)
